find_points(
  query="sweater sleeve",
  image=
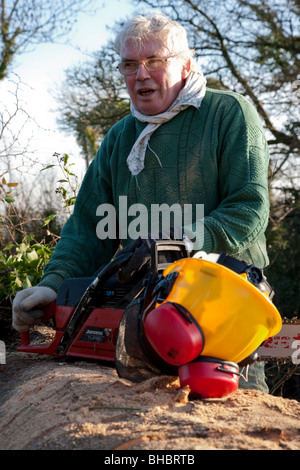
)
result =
(240, 220)
(80, 252)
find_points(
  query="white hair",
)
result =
(156, 25)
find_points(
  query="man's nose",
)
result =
(142, 73)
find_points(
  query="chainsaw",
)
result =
(87, 313)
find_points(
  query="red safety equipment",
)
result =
(173, 333)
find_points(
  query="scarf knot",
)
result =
(191, 94)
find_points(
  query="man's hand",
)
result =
(28, 306)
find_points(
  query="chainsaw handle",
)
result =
(106, 272)
(112, 267)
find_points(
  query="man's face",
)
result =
(153, 92)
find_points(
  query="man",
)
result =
(182, 144)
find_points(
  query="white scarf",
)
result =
(191, 95)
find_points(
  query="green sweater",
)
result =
(215, 156)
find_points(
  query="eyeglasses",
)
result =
(130, 67)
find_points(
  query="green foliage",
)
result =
(5, 190)
(68, 194)
(21, 265)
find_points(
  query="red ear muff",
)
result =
(173, 334)
(210, 377)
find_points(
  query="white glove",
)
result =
(27, 308)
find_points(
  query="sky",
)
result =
(42, 70)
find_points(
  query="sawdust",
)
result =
(46, 404)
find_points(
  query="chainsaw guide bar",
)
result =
(285, 346)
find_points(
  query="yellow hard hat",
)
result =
(234, 315)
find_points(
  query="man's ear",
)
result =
(186, 69)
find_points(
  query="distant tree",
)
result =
(92, 98)
(25, 23)
(284, 251)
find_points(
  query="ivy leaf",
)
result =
(48, 219)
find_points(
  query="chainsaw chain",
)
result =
(291, 321)
(284, 360)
